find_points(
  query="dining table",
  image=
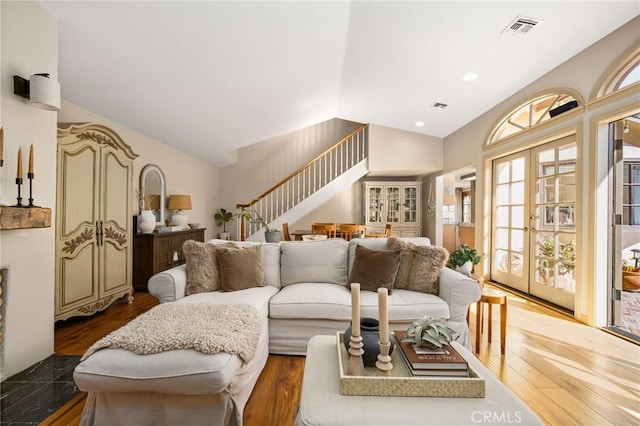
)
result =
(299, 233)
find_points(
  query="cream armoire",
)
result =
(93, 219)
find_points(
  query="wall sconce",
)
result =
(41, 91)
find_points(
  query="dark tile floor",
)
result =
(32, 395)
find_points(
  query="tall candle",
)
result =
(355, 309)
(31, 159)
(19, 174)
(383, 313)
(1, 143)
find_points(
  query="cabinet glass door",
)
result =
(375, 204)
(410, 204)
(393, 204)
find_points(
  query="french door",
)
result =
(534, 205)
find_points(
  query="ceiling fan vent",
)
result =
(439, 105)
(521, 25)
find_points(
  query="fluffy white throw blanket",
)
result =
(207, 328)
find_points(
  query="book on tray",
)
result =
(431, 362)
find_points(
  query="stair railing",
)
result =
(305, 181)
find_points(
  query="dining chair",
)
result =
(348, 231)
(388, 230)
(285, 232)
(328, 229)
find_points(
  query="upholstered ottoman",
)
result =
(321, 390)
(175, 387)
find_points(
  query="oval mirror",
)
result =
(153, 190)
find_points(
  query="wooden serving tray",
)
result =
(402, 383)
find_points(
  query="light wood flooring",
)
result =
(567, 372)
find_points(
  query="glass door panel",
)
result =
(554, 204)
(410, 205)
(393, 204)
(375, 204)
(510, 235)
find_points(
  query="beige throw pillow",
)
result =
(202, 267)
(375, 268)
(240, 267)
(420, 266)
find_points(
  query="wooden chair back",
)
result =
(388, 230)
(347, 231)
(285, 232)
(328, 229)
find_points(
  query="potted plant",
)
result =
(430, 332)
(271, 235)
(463, 259)
(223, 217)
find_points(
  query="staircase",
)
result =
(308, 187)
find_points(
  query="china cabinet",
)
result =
(397, 203)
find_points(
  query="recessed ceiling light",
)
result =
(439, 105)
(419, 123)
(470, 76)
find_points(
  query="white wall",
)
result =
(184, 173)
(462, 148)
(29, 46)
(395, 152)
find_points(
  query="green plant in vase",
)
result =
(430, 332)
(463, 259)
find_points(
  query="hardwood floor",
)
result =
(567, 372)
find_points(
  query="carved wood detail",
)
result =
(98, 138)
(97, 306)
(71, 245)
(112, 234)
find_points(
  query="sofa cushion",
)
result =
(420, 266)
(202, 267)
(314, 262)
(333, 302)
(270, 258)
(240, 267)
(378, 244)
(375, 268)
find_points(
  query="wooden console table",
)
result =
(153, 253)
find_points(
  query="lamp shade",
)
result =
(152, 201)
(179, 202)
(44, 92)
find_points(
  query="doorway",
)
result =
(624, 297)
(534, 237)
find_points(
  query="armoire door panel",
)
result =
(78, 182)
(115, 277)
(116, 194)
(80, 271)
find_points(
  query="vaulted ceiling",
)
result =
(211, 77)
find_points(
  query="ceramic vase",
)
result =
(146, 221)
(370, 332)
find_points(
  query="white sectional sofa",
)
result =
(305, 293)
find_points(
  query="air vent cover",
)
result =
(521, 25)
(439, 105)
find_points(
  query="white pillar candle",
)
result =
(383, 313)
(355, 309)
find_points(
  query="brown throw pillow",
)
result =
(202, 267)
(240, 267)
(420, 266)
(375, 268)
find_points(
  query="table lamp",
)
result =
(180, 203)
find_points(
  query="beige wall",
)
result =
(29, 46)
(262, 165)
(184, 173)
(395, 152)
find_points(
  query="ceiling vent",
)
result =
(439, 105)
(521, 25)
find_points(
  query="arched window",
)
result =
(624, 74)
(532, 113)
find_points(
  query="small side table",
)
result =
(492, 297)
